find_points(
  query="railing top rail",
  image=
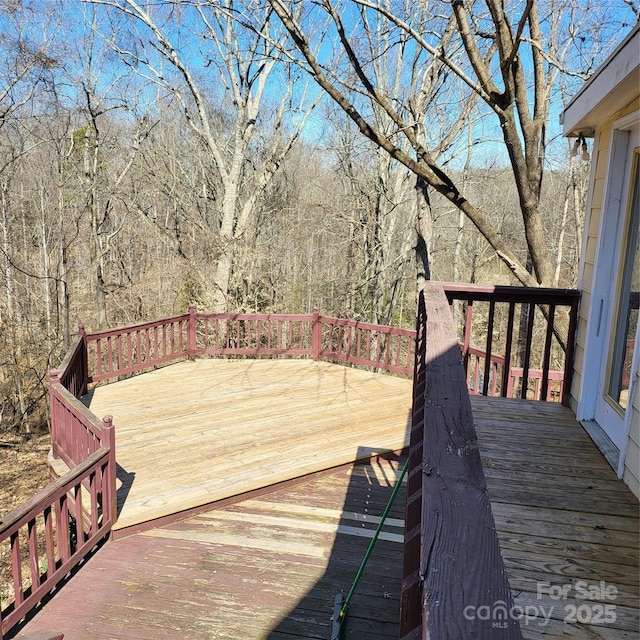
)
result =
(504, 293)
(257, 316)
(368, 325)
(32, 507)
(452, 495)
(106, 333)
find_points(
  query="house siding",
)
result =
(631, 475)
(602, 141)
(600, 153)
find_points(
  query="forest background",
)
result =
(276, 156)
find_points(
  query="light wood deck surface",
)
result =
(196, 432)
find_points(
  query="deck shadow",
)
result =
(126, 480)
(375, 606)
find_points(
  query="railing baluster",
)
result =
(49, 540)
(164, 340)
(16, 567)
(93, 494)
(32, 535)
(129, 355)
(506, 369)
(547, 353)
(468, 325)
(527, 350)
(489, 344)
(62, 528)
(78, 514)
(109, 355)
(119, 351)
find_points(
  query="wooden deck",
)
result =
(194, 433)
(268, 567)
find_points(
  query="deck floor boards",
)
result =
(264, 568)
(563, 520)
(256, 422)
(268, 566)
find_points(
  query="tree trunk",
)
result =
(424, 233)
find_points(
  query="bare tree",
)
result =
(170, 44)
(27, 62)
(513, 55)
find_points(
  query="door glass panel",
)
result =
(627, 316)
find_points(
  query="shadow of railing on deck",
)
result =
(374, 610)
(125, 480)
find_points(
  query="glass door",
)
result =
(625, 318)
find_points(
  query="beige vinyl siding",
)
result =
(590, 243)
(602, 140)
(631, 474)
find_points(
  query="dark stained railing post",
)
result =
(570, 353)
(110, 506)
(54, 378)
(315, 333)
(191, 332)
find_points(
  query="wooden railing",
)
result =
(505, 365)
(84, 500)
(120, 352)
(48, 536)
(127, 350)
(475, 364)
(528, 336)
(452, 561)
(255, 334)
(367, 345)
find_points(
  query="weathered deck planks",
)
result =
(255, 422)
(563, 520)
